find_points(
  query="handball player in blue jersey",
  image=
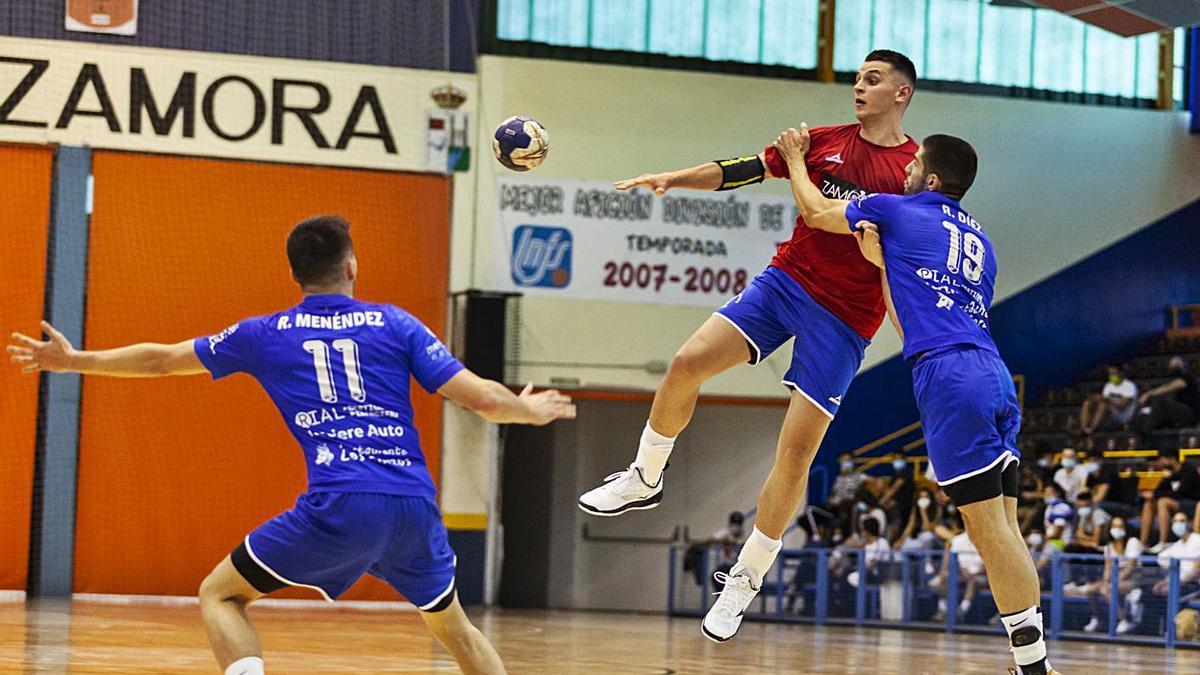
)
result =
(940, 272)
(339, 370)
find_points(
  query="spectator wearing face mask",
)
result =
(1173, 404)
(1043, 555)
(876, 550)
(1186, 549)
(1090, 524)
(1176, 493)
(1030, 486)
(1071, 475)
(867, 506)
(1059, 516)
(1113, 407)
(730, 538)
(1121, 551)
(897, 496)
(844, 490)
(919, 532)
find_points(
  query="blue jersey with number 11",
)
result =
(338, 370)
(941, 268)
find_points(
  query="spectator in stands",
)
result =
(1178, 492)
(730, 538)
(970, 573)
(896, 499)
(919, 533)
(949, 521)
(1090, 524)
(1059, 516)
(1029, 492)
(1116, 493)
(1173, 404)
(876, 550)
(1187, 550)
(1123, 551)
(1113, 407)
(844, 491)
(867, 506)
(1071, 476)
(1043, 554)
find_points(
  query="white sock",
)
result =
(1035, 652)
(251, 665)
(653, 451)
(757, 556)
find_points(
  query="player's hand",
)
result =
(658, 182)
(793, 144)
(869, 243)
(547, 406)
(54, 355)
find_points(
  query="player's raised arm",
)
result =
(818, 211)
(146, 359)
(495, 403)
(721, 174)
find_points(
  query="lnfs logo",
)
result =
(541, 256)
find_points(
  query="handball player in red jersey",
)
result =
(818, 288)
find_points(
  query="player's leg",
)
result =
(224, 595)
(470, 649)
(418, 562)
(744, 330)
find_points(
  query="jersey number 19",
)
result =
(967, 251)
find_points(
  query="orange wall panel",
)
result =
(174, 472)
(25, 177)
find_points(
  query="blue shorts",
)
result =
(969, 412)
(827, 352)
(329, 539)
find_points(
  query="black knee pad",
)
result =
(1025, 636)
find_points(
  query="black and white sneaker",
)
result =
(725, 617)
(622, 491)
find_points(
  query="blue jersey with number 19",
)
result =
(338, 369)
(941, 268)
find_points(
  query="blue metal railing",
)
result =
(804, 578)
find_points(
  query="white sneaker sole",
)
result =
(714, 638)
(643, 505)
(639, 505)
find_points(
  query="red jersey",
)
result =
(844, 165)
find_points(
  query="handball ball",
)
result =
(520, 143)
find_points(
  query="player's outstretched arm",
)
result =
(146, 359)
(818, 211)
(721, 174)
(495, 403)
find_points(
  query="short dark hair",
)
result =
(900, 62)
(317, 247)
(1058, 489)
(1084, 496)
(954, 161)
(871, 526)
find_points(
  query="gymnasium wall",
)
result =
(25, 179)
(172, 473)
(1057, 183)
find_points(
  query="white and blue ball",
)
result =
(520, 143)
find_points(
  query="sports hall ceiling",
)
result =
(1123, 17)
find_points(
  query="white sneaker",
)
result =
(723, 620)
(622, 491)
(1092, 626)
(1124, 626)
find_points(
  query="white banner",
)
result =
(217, 105)
(584, 239)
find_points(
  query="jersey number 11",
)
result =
(349, 351)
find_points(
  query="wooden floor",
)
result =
(99, 638)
